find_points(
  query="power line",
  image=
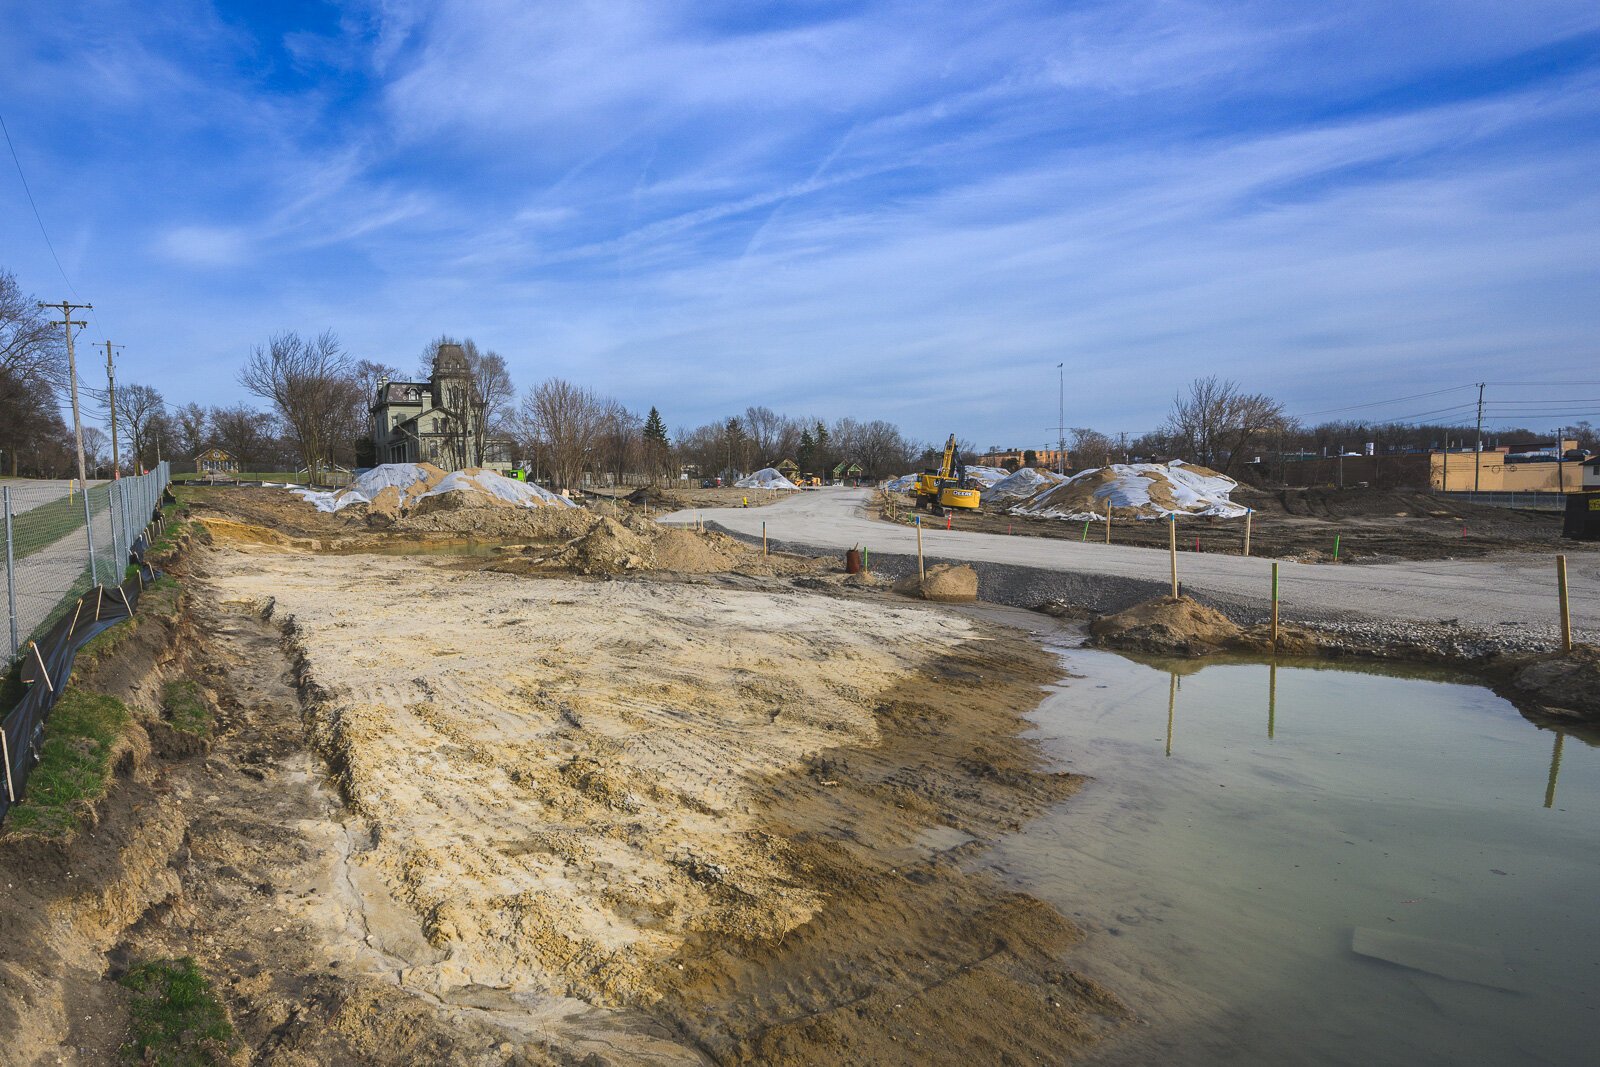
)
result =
(1380, 403)
(36, 216)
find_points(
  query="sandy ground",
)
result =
(645, 821)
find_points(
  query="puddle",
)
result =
(1300, 865)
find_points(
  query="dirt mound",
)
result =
(1166, 624)
(945, 582)
(1565, 683)
(1135, 490)
(387, 492)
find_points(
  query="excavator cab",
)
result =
(947, 486)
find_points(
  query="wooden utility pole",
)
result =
(68, 322)
(111, 402)
(1477, 448)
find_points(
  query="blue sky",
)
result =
(903, 210)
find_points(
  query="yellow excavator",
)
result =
(946, 487)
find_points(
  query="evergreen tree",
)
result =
(654, 428)
(656, 449)
(806, 453)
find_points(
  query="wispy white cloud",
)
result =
(868, 208)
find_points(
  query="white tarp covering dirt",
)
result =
(1136, 490)
(765, 478)
(397, 487)
(980, 477)
(1020, 486)
(983, 477)
(497, 485)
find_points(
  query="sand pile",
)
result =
(1136, 490)
(393, 490)
(598, 545)
(1166, 624)
(948, 583)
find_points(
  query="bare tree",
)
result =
(368, 373)
(31, 345)
(881, 449)
(32, 364)
(1215, 422)
(765, 428)
(193, 427)
(562, 422)
(96, 449)
(1090, 448)
(311, 386)
(138, 406)
(244, 432)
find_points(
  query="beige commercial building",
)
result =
(1465, 472)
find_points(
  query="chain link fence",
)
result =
(61, 542)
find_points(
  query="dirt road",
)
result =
(1516, 591)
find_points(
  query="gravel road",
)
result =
(1512, 595)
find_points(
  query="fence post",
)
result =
(1566, 604)
(11, 574)
(88, 529)
(117, 521)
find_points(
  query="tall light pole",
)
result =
(72, 371)
(1061, 421)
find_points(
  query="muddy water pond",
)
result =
(1299, 864)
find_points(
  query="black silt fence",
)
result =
(46, 665)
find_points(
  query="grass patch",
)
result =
(160, 597)
(177, 1021)
(42, 526)
(186, 707)
(103, 644)
(74, 764)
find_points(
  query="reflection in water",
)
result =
(1222, 883)
(1555, 769)
(1272, 700)
(1172, 703)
